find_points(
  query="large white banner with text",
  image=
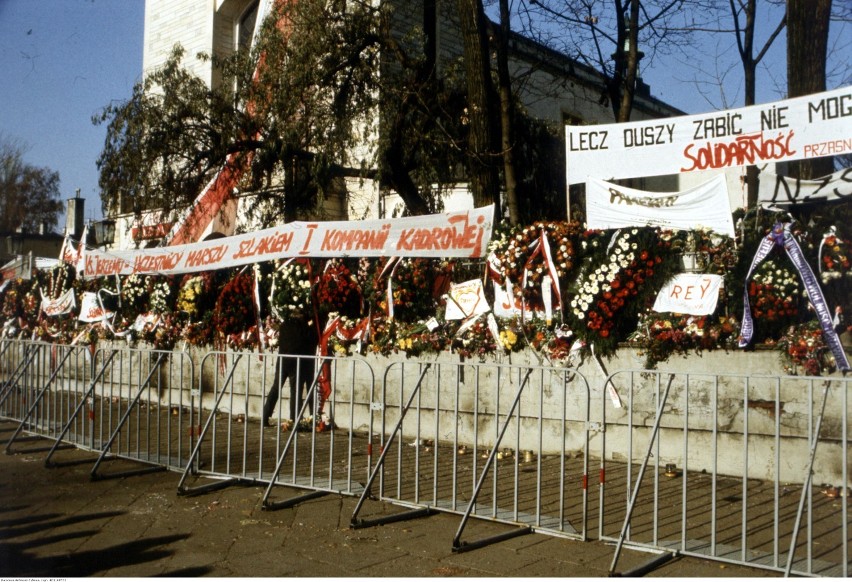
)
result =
(705, 206)
(804, 127)
(783, 191)
(454, 234)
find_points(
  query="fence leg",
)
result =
(88, 393)
(459, 546)
(269, 505)
(808, 479)
(640, 476)
(355, 522)
(106, 448)
(197, 449)
(35, 404)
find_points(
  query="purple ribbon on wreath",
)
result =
(782, 237)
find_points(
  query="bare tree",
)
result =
(29, 196)
(744, 17)
(612, 36)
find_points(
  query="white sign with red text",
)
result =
(62, 305)
(454, 234)
(91, 310)
(803, 127)
(689, 294)
(609, 205)
(465, 300)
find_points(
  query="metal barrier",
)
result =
(497, 442)
(17, 359)
(233, 447)
(723, 466)
(147, 406)
(47, 389)
(751, 470)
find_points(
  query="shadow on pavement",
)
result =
(14, 560)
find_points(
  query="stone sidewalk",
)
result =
(57, 522)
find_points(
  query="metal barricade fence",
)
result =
(46, 388)
(233, 446)
(741, 469)
(499, 442)
(146, 406)
(18, 359)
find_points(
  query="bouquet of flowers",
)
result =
(773, 292)
(476, 341)
(803, 346)
(160, 298)
(134, 295)
(235, 315)
(835, 259)
(196, 295)
(416, 339)
(660, 335)
(411, 290)
(383, 335)
(337, 290)
(290, 292)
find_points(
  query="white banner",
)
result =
(782, 191)
(455, 234)
(505, 304)
(63, 304)
(705, 206)
(805, 127)
(465, 300)
(690, 294)
(90, 309)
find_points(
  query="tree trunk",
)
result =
(750, 80)
(507, 116)
(807, 47)
(631, 68)
(481, 169)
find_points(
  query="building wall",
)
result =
(554, 89)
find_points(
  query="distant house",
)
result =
(555, 88)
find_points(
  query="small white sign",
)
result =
(690, 294)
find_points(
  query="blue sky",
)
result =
(62, 61)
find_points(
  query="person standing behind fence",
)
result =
(297, 347)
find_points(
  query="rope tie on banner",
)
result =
(782, 237)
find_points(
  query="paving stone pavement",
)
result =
(57, 522)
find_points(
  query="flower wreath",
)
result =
(235, 315)
(604, 295)
(525, 262)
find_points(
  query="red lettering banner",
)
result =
(794, 129)
(454, 234)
